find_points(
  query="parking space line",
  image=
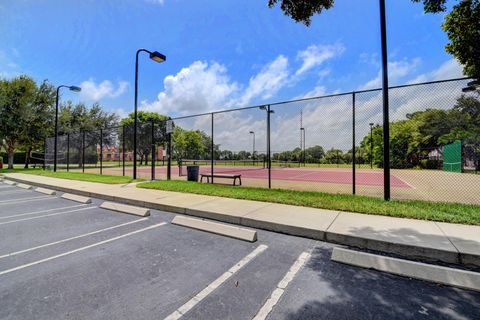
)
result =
(26, 199)
(12, 191)
(72, 238)
(43, 211)
(282, 285)
(81, 249)
(47, 215)
(177, 314)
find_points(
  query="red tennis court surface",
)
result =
(323, 175)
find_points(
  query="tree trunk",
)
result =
(28, 154)
(10, 158)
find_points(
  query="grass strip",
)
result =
(416, 209)
(89, 177)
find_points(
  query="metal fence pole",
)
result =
(212, 151)
(269, 157)
(101, 151)
(354, 158)
(83, 152)
(68, 151)
(123, 150)
(153, 151)
(169, 157)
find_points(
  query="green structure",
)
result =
(452, 157)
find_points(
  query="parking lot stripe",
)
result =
(72, 238)
(25, 199)
(80, 249)
(282, 285)
(11, 191)
(47, 215)
(177, 314)
(43, 211)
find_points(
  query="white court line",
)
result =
(282, 285)
(47, 215)
(72, 238)
(177, 314)
(43, 211)
(26, 199)
(80, 249)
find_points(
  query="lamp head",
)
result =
(157, 57)
(469, 89)
(75, 88)
(252, 132)
(371, 124)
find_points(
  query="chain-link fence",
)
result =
(325, 144)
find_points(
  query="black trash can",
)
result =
(192, 173)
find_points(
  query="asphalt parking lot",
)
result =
(63, 260)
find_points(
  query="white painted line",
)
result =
(46, 215)
(24, 186)
(282, 285)
(72, 238)
(216, 227)
(177, 314)
(42, 211)
(138, 211)
(10, 191)
(46, 191)
(23, 200)
(76, 198)
(412, 269)
(80, 249)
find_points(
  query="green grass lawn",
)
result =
(416, 209)
(90, 177)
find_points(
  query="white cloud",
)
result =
(199, 87)
(315, 55)
(8, 68)
(397, 70)
(448, 70)
(268, 81)
(93, 91)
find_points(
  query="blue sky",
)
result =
(220, 54)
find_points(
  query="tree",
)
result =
(462, 25)
(187, 144)
(17, 97)
(144, 132)
(40, 120)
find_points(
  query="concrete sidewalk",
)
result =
(451, 243)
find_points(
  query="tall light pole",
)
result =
(253, 149)
(157, 57)
(386, 117)
(74, 89)
(371, 145)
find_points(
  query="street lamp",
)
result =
(157, 57)
(371, 145)
(253, 149)
(74, 89)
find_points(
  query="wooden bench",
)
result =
(222, 176)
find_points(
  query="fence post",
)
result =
(68, 151)
(83, 152)
(169, 157)
(45, 154)
(354, 159)
(212, 151)
(153, 151)
(269, 156)
(123, 150)
(101, 151)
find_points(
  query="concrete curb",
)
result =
(9, 182)
(433, 273)
(410, 251)
(24, 186)
(46, 191)
(77, 198)
(216, 227)
(138, 211)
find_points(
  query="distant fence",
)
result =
(332, 143)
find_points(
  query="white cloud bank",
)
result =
(105, 89)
